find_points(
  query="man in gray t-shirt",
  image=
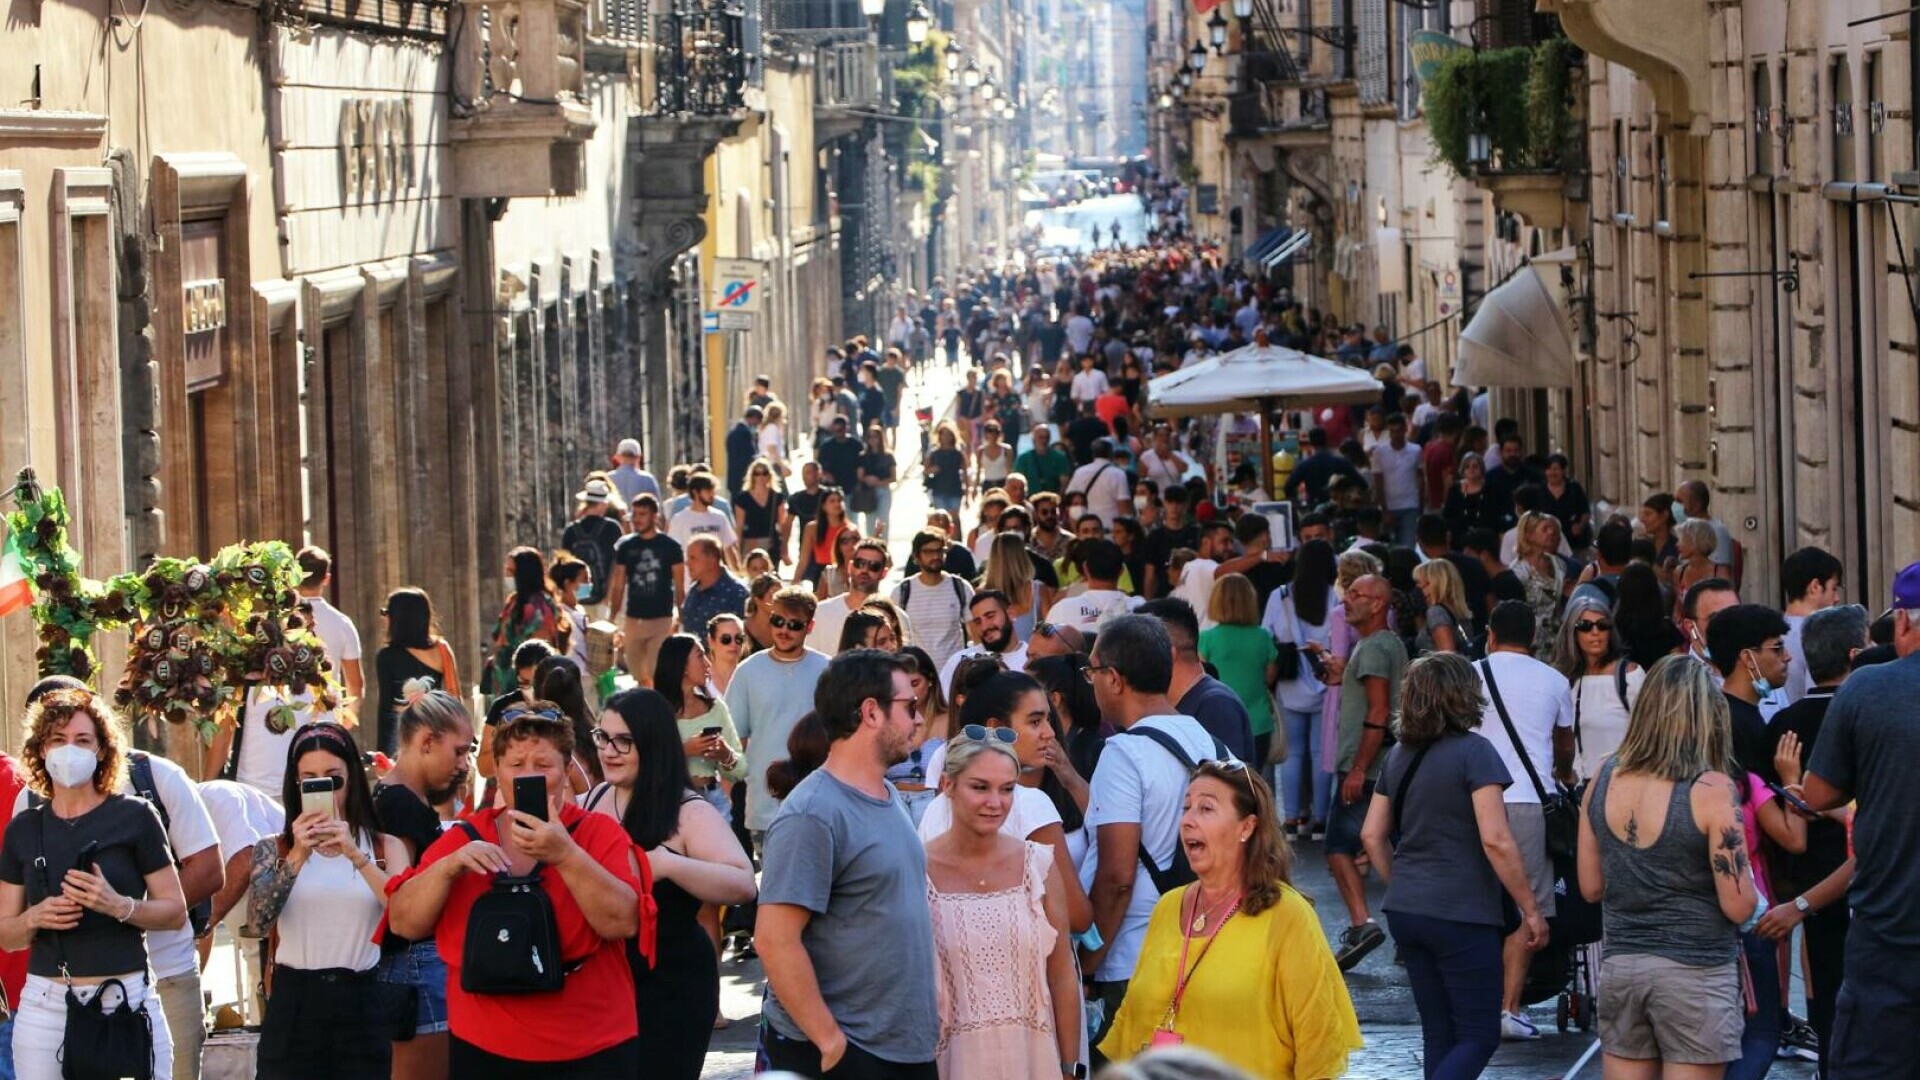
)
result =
(844, 930)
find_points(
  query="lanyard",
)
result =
(1186, 973)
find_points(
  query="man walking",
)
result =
(1369, 696)
(1045, 465)
(869, 565)
(935, 601)
(702, 517)
(591, 537)
(1397, 480)
(648, 584)
(630, 475)
(335, 630)
(1198, 694)
(844, 930)
(770, 691)
(711, 590)
(743, 443)
(1528, 718)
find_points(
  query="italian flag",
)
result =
(15, 592)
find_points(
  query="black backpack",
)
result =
(1178, 872)
(512, 945)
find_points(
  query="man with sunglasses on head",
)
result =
(865, 570)
(769, 693)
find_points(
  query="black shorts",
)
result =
(777, 1052)
(469, 1062)
(322, 1025)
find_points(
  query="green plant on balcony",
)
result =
(1520, 98)
(917, 82)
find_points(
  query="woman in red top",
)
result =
(586, 1030)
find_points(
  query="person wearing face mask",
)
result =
(436, 756)
(572, 582)
(84, 875)
(322, 885)
(695, 861)
(1698, 606)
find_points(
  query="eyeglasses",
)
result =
(981, 733)
(1588, 625)
(1087, 672)
(781, 622)
(1776, 647)
(621, 744)
(875, 565)
(912, 704)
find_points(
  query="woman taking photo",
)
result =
(1244, 654)
(877, 471)
(1447, 615)
(1003, 953)
(1236, 963)
(414, 650)
(1543, 576)
(1662, 849)
(1605, 683)
(322, 885)
(708, 740)
(1010, 571)
(1302, 614)
(1440, 793)
(529, 613)
(83, 875)
(586, 1030)
(726, 647)
(820, 540)
(759, 513)
(695, 860)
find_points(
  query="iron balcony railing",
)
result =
(700, 68)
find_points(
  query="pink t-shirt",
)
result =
(1758, 795)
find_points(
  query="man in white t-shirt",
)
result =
(330, 624)
(864, 572)
(1539, 705)
(935, 601)
(1397, 475)
(1161, 463)
(242, 817)
(1136, 795)
(702, 518)
(993, 635)
(1109, 496)
(1089, 382)
(1079, 333)
(1102, 598)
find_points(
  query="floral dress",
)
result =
(523, 618)
(1544, 593)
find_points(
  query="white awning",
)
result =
(1519, 335)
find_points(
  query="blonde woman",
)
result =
(1010, 570)
(1664, 850)
(1543, 576)
(1447, 611)
(1244, 653)
(773, 437)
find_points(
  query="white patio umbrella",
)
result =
(1259, 378)
(1519, 335)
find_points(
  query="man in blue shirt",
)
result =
(710, 589)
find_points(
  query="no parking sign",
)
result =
(736, 285)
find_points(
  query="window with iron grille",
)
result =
(1373, 75)
(623, 21)
(1342, 57)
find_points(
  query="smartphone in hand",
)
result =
(316, 795)
(88, 856)
(530, 796)
(711, 732)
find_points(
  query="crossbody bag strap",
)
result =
(1513, 735)
(1406, 783)
(1620, 683)
(46, 882)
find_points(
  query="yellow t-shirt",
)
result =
(1268, 998)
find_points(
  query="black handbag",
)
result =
(1287, 662)
(1559, 810)
(99, 1043)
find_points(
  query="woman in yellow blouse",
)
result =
(1269, 999)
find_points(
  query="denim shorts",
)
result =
(1345, 819)
(421, 967)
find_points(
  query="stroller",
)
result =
(1568, 966)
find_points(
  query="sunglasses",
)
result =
(1588, 625)
(874, 565)
(621, 744)
(1087, 672)
(729, 639)
(912, 704)
(981, 733)
(781, 622)
(1044, 629)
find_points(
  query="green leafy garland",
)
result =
(202, 632)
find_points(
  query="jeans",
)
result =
(1456, 975)
(40, 1025)
(186, 1021)
(949, 503)
(6, 1049)
(778, 1053)
(1400, 525)
(1876, 1022)
(874, 522)
(1762, 1036)
(1306, 787)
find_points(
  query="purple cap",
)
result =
(1906, 587)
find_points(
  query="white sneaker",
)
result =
(1517, 1026)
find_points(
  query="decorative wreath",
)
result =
(202, 633)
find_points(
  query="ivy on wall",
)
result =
(1521, 98)
(202, 633)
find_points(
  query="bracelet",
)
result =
(132, 907)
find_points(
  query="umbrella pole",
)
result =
(1266, 447)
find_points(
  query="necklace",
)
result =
(1200, 918)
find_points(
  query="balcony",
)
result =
(700, 61)
(521, 120)
(847, 83)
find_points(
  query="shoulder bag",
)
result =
(1560, 812)
(99, 1043)
(1287, 663)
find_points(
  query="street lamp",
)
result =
(1217, 31)
(1243, 9)
(1198, 54)
(970, 76)
(952, 55)
(918, 23)
(1479, 145)
(873, 9)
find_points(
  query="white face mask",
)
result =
(71, 766)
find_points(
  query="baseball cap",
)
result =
(595, 491)
(628, 447)
(1906, 587)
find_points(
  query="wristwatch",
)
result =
(1800, 904)
(1073, 1069)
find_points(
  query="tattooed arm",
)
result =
(1716, 810)
(272, 877)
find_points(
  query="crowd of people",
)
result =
(987, 813)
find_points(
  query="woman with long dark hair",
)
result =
(1297, 615)
(694, 858)
(414, 650)
(322, 884)
(558, 681)
(530, 612)
(714, 761)
(866, 629)
(1644, 618)
(819, 539)
(1075, 707)
(806, 751)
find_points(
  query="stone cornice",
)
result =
(41, 125)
